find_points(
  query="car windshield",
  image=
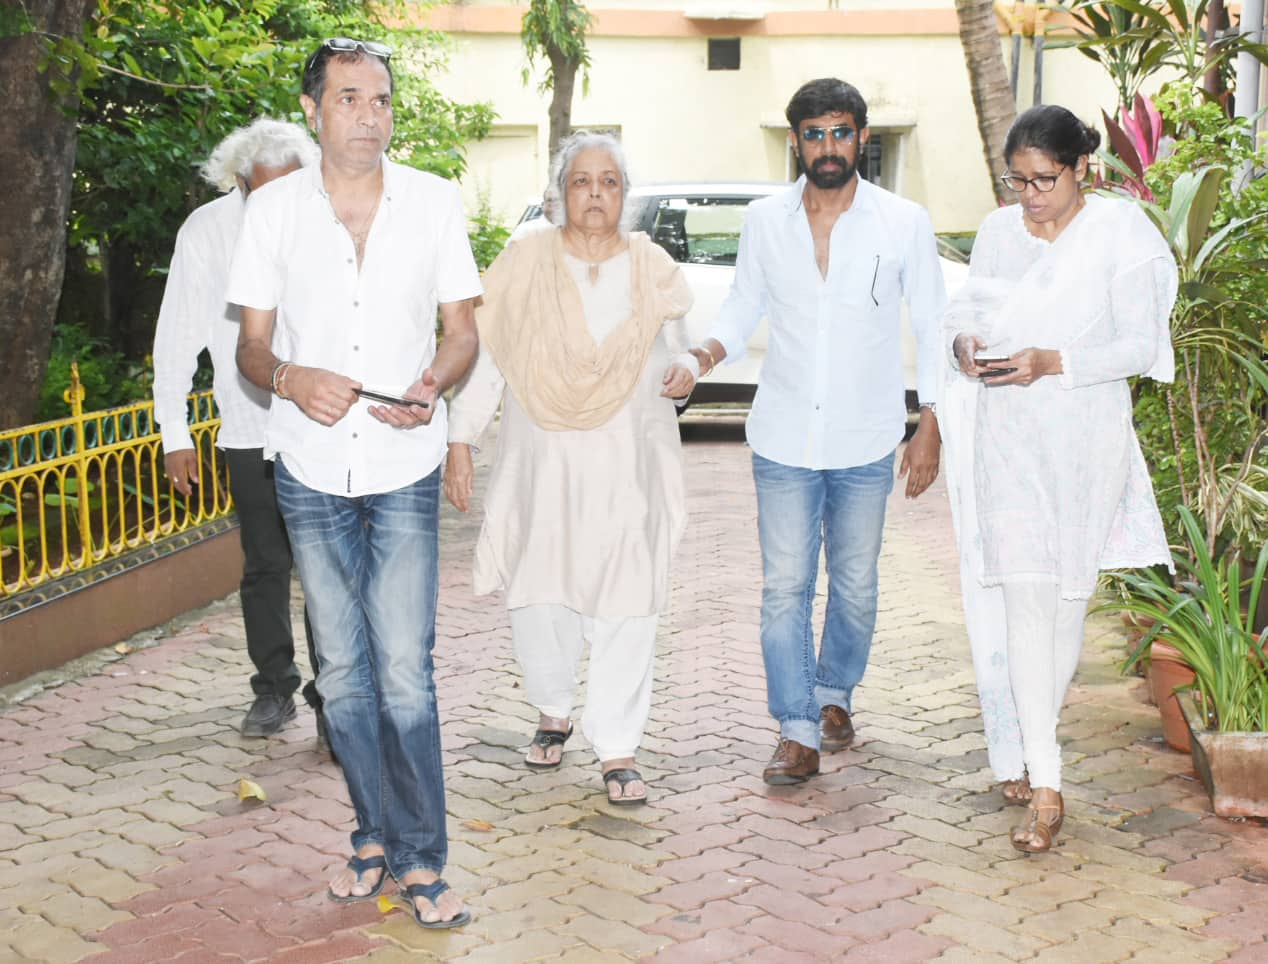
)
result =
(700, 230)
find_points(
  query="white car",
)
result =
(699, 225)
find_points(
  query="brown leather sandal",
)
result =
(1036, 834)
(1016, 793)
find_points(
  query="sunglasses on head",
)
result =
(348, 45)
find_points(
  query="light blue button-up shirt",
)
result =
(830, 395)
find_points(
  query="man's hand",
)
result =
(181, 467)
(678, 382)
(322, 395)
(920, 457)
(459, 473)
(408, 416)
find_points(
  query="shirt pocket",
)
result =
(873, 282)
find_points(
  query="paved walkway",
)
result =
(122, 838)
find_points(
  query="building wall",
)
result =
(681, 121)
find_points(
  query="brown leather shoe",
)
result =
(792, 763)
(836, 732)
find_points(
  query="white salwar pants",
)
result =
(1026, 642)
(548, 641)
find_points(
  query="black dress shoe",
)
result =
(268, 714)
(836, 732)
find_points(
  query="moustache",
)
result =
(827, 159)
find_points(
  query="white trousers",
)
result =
(1026, 642)
(548, 640)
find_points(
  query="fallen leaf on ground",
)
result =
(481, 825)
(124, 648)
(386, 904)
(249, 788)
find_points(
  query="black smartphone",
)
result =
(391, 399)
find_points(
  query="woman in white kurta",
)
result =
(585, 505)
(1068, 296)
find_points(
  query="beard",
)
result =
(827, 180)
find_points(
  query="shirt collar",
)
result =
(391, 178)
(793, 197)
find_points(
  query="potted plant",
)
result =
(1207, 614)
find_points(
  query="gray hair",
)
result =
(573, 145)
(264, 142)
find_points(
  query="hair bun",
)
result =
(1091, 139)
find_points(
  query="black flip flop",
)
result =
(432, 891)
(546, 739)
(359, 865)
(622, 776)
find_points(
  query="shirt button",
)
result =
(356, 347)
(349, 261)
(354, 434)
(356, 304)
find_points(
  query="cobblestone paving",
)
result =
(122, 837)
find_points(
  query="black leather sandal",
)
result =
(546, 739)
(621, 776)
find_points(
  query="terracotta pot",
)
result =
(1167, 670)
(1233, 766)
(1136, 626)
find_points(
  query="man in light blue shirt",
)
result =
(829, 262)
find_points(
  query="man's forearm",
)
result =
(453, 358)
(256, 361)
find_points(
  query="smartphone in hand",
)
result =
(391, 399)
(985, 357)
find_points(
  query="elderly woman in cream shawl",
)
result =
(585, 506)
(1068, 296)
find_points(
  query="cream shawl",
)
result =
(533, 324)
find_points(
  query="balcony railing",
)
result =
(80, 491)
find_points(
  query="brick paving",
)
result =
(122, 838)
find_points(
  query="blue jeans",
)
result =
(800, 511)
(368, 565)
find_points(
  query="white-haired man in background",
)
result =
(194, 315)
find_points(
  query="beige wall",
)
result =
(681, 121)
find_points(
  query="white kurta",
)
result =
(1058, 482)
(588, 519)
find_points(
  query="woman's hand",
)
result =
(1031, 364)
(965, 347)
(459, 472)
(678, 382)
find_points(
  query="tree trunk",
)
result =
(37, 157)
(1216, 24)
(565, 73)
(988, 80)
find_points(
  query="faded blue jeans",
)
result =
(368, 565)
(799, 512)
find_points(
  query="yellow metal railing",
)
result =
(82, 490)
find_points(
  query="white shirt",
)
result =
(194, 315)
(376, 325)
(830, 395)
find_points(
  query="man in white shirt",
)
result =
(828, 262)
(194, 315)
(351, 259)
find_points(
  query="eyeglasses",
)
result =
(347, 45)
(1043, 183)
(842, 132)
